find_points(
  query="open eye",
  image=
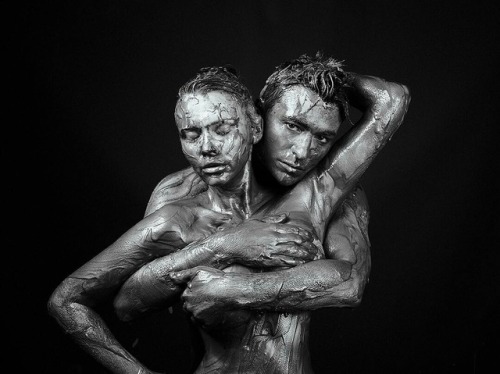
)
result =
(293, 127)
(322, 139)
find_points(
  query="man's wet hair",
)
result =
(217, 78)
(323, 75)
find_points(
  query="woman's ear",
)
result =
(257, 123)
(257, 128)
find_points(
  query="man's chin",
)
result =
(285, 179)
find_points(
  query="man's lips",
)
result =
(289, 168)
(214, 168)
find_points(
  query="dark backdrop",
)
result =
(94, 88)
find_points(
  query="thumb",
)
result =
(183, 276)
(276, 218)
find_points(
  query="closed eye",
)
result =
(190, 134)
(223, 128)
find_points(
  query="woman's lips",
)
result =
(214, 168)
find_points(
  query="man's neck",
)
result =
(264, 177)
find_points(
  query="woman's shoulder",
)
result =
(183, 184)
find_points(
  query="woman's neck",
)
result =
(240, 198)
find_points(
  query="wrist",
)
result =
(364, 92)
(215, 253)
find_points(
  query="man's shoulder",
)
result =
(354, 212)
(356, 200)
(183, 184)
(347, 233)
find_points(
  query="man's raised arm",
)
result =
(321, 192)
(383, 105)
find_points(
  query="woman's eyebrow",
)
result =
(222, 120)
(190, 129)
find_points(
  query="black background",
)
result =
(91, 132)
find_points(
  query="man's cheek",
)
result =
(314, 158)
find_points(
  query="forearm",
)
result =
(317, 284)
(151, 288)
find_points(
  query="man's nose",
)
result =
(302, 146)
(208, 148)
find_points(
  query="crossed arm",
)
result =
(335, 281)
(278, 245)
(338, 280)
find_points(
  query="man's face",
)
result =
(299, 131)
(216, 135)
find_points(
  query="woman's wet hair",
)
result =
(217, 78)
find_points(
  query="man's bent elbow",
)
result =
(354, 293)
(356, 297)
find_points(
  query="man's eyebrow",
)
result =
(297, 121)
(306, 125)
(327, 133)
